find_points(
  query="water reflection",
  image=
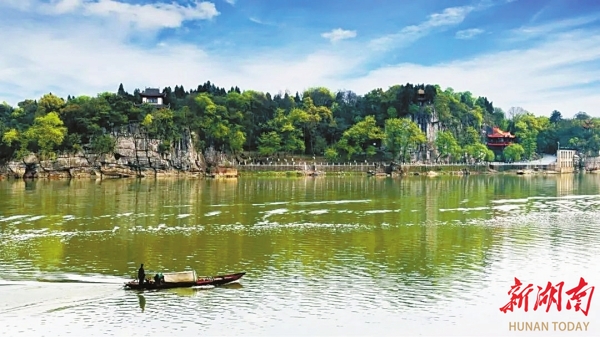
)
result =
(335, 253)
(142, 301)
(30, 185)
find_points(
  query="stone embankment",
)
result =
(134, 156)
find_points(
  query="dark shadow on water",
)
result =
(235, 285)
(197, 290)
(142, 301)
(30, 184)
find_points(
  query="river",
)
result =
(343, 256)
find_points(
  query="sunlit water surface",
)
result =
(323, 256)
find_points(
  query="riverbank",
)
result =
(379, 170)
(120, 171)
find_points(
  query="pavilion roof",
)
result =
(497, 133)
(151, 92)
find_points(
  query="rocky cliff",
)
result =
(135, 155)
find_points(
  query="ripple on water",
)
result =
(289, 286)
(332, 202)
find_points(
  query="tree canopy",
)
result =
(392, 124)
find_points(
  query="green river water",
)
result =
(345, 256)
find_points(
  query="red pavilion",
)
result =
(498, 139)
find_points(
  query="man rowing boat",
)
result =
(141, 274)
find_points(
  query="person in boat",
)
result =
(157, 279)
(141, 274)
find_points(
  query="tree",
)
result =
(311, 118)
(49, 103)
(555, 117)
(331, 154)
(513, 152)
(360, 136)
(479, 152)
(321, 97)
(291, 137)
(46, 133)
(103, 144)
(447, 146)
(402, 136)
(236, 140)
(515, 112)
(270, 143)
(121, 90)
(582, 116)
(528, 127)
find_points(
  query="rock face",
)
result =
(135, 155)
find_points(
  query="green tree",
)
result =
(291, 136)
(49, 103)
(311, 118)
(103, 144)
(479, 152)
(270, 143)
(46, 133)
(555, 117)
(513, 152)
(331, 154)
(360, 136)
(447, 146)
(402, 136)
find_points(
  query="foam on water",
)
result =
(272, 203)
(376, 211)
(463, 209)
(13, 217)
(332, 202)
(80, 278)
(275, 212)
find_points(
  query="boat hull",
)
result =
(200, 281)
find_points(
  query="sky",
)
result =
(537, 55)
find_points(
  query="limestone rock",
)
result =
(135, 155)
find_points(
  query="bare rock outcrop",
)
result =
(135, 155)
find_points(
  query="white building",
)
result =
(565, 160)
(153, 96)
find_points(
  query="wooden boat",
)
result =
(184, 280)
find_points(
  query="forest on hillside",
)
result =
(386, 124)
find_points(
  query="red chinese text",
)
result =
(579, 298)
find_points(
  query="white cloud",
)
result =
(87, 58)
(532, 31)
(231, 2)
(339, 34)
(142, 16)
(261, 22)
(87, 61)
(466, 34)
(448, 17)
(540, 79)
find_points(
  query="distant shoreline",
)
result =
(427, 170)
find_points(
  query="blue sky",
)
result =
(538, 55)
